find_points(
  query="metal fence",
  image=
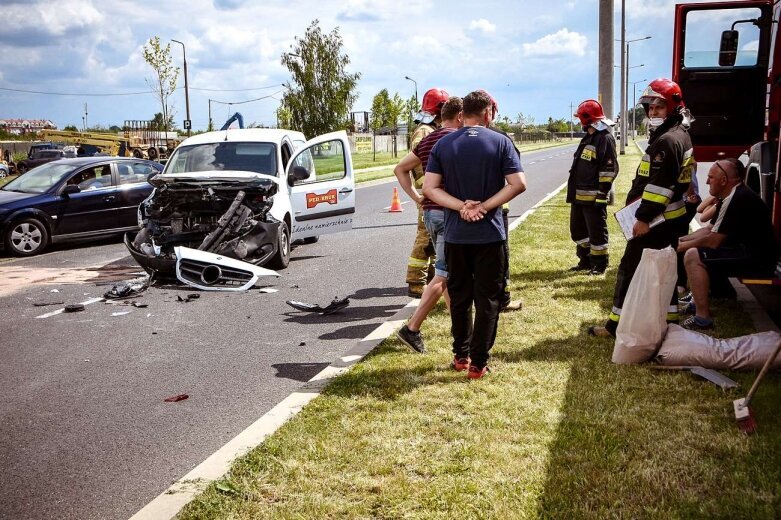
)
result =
(368, 143)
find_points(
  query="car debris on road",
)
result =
(335, 306)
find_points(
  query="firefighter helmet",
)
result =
(662, 90)
(494, 104)
(433, 100)
(589, 112)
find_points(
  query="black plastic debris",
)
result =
(335, 306)
(74, 307)
(46, 304)
(189, 298)
(126, 290)
(139, 305)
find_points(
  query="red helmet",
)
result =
(494, 104)
(589, 112)
(433, 100)
(662, 90)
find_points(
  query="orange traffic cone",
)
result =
(395, 206)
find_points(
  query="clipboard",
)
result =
(626, 218)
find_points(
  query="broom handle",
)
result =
(762, 373)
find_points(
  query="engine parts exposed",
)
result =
(227, 218)
(212, 272)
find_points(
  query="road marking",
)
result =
(60, 311)
(517, 222)
(168, 504)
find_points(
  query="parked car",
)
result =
(37, 157)
(245, 194)
(4, 170)
(70, 199)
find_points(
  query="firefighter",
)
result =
(593, 170)
(421, 259)
(661, 182)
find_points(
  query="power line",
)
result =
(108, 94)
(246, 101)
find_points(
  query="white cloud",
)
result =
(482, 25)
(560, 43)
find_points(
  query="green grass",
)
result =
(5, 180)
(555, 431)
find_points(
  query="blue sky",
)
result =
(534, 56)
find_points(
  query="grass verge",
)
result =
(555, 431)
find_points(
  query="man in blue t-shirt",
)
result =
(471, 173)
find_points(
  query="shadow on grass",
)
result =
(636, 443)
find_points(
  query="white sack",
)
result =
(684, 347)
(643, 320)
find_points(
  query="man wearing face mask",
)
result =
(661, 183)
(590, 179)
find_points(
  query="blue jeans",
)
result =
(434, 220)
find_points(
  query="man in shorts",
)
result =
(434, 219)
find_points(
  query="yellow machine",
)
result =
(105, 143)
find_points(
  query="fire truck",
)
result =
(727, 60)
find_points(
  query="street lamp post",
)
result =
(416, 88)
(625, 74)
(634, 103)
(186, 90)
(210, 116)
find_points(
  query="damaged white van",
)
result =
(245, 194)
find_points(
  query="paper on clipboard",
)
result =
(626, 219)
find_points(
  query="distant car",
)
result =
(4, 170)
(71, 199)
(38, 157)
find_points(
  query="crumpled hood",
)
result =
(215, 176)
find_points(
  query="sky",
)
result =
(535, 57)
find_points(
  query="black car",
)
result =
(38, 157)
(72, 199)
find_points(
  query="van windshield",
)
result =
(248, 157)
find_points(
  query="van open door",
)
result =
(322, 187)
(721, 55)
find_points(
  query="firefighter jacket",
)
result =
(664, 173)
(421, 131)
(594, 169)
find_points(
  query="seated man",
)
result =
(739, 242)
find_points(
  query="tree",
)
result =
(284, 117)
(557, 125)
(71, 128)
(164, 84)
(380, 116)
(158, 122)
(321, 92)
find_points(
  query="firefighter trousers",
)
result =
(421, 259)
(659, 237)
(588, 229)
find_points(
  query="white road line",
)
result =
(517, 222)
(168, 503)
(60, 311)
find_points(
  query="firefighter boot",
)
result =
(598, 264)
(582, 250)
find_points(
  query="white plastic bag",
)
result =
(684, 347)
(643, 320)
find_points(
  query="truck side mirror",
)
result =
(728, 50)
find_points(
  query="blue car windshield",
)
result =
(248, 157)
(40, 179)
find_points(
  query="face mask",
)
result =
(655, 122)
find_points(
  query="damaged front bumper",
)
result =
(210, 272)
(226, 219)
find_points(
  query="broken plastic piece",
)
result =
(335, 305)
(176, 398)
(126, 290)
(121, 313)
(74, 307)
(189, 298)
(268, 290)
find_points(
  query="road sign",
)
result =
(188, 124)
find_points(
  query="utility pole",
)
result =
(570, 118)
(624, 77)
(605, 69)
(188, 124)
(85, 117)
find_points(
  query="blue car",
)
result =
(73, 199)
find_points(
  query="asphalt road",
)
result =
(84, 429)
